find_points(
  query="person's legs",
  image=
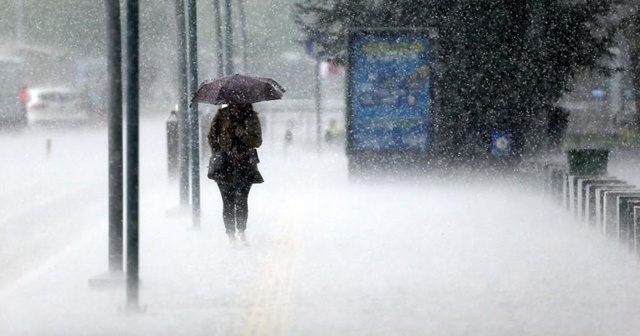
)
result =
(228, 207)
(242, 205)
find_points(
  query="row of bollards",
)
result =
(584, 188)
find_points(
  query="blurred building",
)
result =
(600, 105)
(43, 66)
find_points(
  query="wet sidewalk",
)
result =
(472, 256)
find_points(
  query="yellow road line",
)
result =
(270, 311)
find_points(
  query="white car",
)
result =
(55, 105)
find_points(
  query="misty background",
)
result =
(70, 32)
(505, 71)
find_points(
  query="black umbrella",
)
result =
(238, 89)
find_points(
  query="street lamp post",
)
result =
(217, 22)
(115, 252)
(243, 33)
(133, 134)
(183, 129)
(228, 35)
(115, 137)
(193, 112)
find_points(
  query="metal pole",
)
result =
(194, 115)
(183, 136)
(228, 35)
(133, 282)
(615, 81)
(318, 103)
(243, 32)
(114, 72)
(217, 18)
(634, 64)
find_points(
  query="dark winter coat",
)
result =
(238, 133)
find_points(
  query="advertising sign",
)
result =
(389, 91)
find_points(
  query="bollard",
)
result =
(565, 189)
(636, 228)
(625, 218)
(631, 205)
(581, 191)
(583, 163)
(572, 193)
(610, 224)
(288, 137)
(599, 201)
(172, 145)
(589, 198)
(288, 134)
(48, 148)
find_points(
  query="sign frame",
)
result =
(422, 129)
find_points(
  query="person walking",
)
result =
(236, 130)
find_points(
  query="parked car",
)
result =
(12, 108)
(55, 105)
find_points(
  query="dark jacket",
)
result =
(238, 133)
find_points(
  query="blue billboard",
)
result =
(389, 91)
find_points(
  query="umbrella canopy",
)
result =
(238, 89)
